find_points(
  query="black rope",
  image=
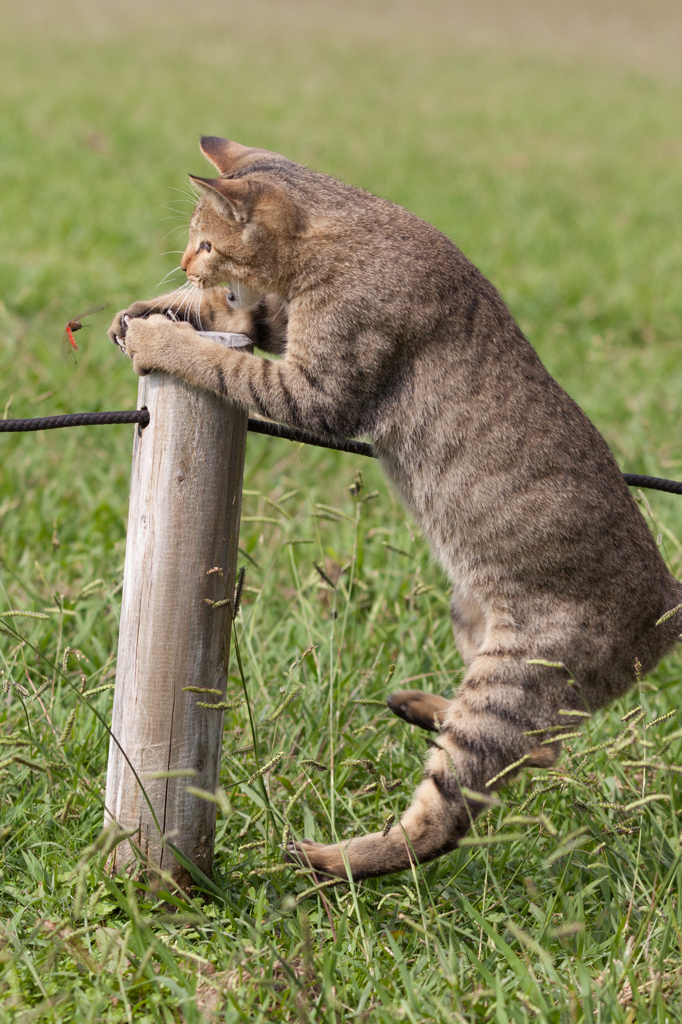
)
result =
(653, 483)
(141, 416)
(76, 419)
(304, 437)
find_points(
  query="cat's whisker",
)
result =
(199, 298)
(179, 228)
(192, 306)
(193, 303)
(169, 274)
(171, 310)
(157, 303)
(187, 190)
(192, 195)
(187, 298)
(178, 214)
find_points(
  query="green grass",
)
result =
(562, 181)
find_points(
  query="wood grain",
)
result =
(185, 503)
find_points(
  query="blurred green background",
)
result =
(546, 140)
(558, 175)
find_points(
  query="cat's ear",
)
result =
(237, 194)
(222, 153)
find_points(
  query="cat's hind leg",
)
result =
(502, 719)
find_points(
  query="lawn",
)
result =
(562, 179)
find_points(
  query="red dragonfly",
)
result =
(73, 325)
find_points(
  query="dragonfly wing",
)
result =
(89, 311)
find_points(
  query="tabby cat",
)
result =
(387, 330)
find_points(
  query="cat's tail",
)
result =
(507, 715)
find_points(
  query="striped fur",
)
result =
(387, 330)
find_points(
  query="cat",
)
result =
(387, 330)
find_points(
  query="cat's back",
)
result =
(503, 468)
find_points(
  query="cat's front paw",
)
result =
(139, 311)
(156, 343)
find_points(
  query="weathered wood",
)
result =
(185, 503)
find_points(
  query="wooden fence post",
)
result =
(185, 504)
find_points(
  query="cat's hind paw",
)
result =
(426, 710)
(325, 861)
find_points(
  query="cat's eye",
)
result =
(206, 246)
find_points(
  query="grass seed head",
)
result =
(309, 762)
(239, 589)
(388, 824)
